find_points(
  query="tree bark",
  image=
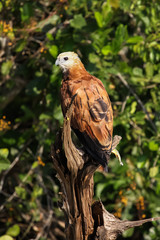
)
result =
(84, 220)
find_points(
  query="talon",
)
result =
(116, 153)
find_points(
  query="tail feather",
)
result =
(94, 149)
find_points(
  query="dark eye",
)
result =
(65, 58)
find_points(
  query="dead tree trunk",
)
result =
(84, 219)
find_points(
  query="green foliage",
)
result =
(78, 21)
(14, 231)
(6, 67)
(4, 162)
(6, 237)
(111, 37)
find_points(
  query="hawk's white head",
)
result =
(67, 60)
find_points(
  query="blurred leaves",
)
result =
(6, 237)
(6, 67)
(111, 37)
(21, 192)
(26, 12)
(4, 153)
(53, 19)
(53, 50)
(78, 21)
(20, 45)
(4, 162)
(153, 171)
(99, 19)
(153, 146)
(13, 231)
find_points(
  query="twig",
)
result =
(14, 194)
(15, 161)
(110, 226)
(138, 100)
(28, 229)
(124, 104)
(20, 84)
(47, 224)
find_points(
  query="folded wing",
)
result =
(92, 121)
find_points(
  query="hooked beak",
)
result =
(57, 62)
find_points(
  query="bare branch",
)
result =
(9, 97)
(110, 226)
(15, 161)
(14, 194)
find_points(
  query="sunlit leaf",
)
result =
(99, 19)
(4, 164)
(153, 146)
(50, 20)
(153, 171)
(135, 39)
(38, 191)
(137, 72)
(13, 231)
(1, 6)
(120, 37)
(93, 58)
(141, 161)
(44, 116)
(156, 78)
(149, 70)
(139, 179)
(21, 192)
(78, 21)
(6, 67)
(4, 152)
(35, 164)
(6, 237)
(53, 50)
(133, 107)
(107, 50)
(49, 36)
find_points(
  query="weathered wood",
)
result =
(109, 227)
(75, 172)
(84, 219)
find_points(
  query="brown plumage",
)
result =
(92, 117)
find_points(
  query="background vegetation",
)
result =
(119, 42)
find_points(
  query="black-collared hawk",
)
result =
(92, 117)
